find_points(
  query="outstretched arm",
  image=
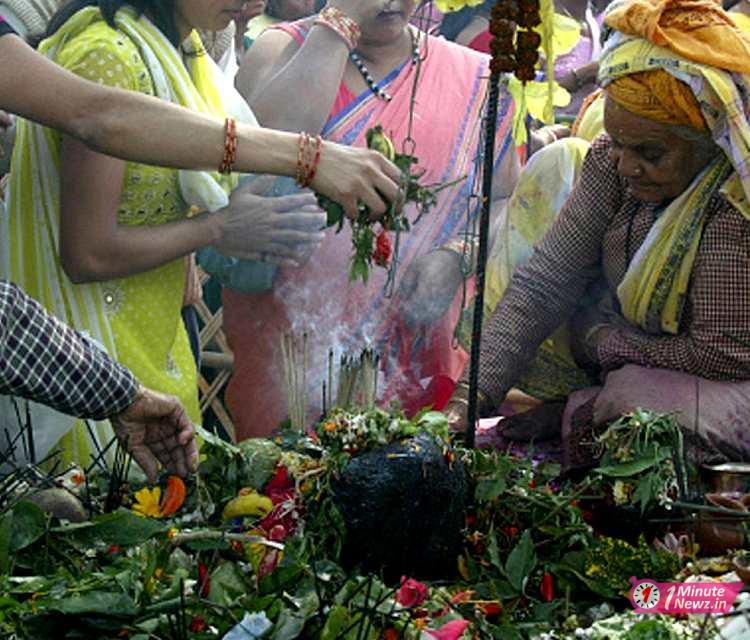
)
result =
(136, 127)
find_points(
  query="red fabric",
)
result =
(481, 42)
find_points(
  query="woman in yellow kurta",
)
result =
(101, 242)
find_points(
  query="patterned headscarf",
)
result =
(658, 96)
(683, 62)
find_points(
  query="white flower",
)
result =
(621, 492)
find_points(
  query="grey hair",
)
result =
(702, 140)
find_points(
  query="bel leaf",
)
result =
(29, 524)
(489, 489)
(521, 561)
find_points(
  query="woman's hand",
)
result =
(283, 231)
(429, 286)
(357, 10)
(348, 175)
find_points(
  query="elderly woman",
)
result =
(312, 75)
(101, 242)
(656, 232)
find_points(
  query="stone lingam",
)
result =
(403, 506)
(402, 502)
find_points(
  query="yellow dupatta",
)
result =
(653, 292)
(31, 255)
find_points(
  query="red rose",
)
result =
(383, 249)
(452, 630)
(412, 593)
(198, 624)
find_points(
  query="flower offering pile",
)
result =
(253, 547)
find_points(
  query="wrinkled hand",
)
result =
(429, 286)
(350, 174)
(535, 425)
(281, 230)
(155, 429)
(456, 412)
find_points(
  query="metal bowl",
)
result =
(728, 477)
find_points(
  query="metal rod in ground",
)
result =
(490, 126)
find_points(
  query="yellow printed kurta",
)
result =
(143, 310)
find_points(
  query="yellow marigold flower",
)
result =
(147, 502)
(329, 427)
(420, 623)
(446, 6)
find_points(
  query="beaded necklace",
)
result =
(367, 76)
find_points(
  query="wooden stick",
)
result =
(191, 536)
(330, 376)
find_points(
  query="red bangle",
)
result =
(230, 146)
(301, 164)
(316, 161)
(341, 24)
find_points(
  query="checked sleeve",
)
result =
(43, 359)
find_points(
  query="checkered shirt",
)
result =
(45, 360)
(5, 27)
(588, 245)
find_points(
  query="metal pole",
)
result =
(490, 127)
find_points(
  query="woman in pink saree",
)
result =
(303, 76)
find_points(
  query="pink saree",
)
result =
(419, 364)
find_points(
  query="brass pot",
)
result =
(717, 533)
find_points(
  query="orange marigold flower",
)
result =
(149, 502)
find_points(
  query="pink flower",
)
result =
(452, 630)
(412, 593)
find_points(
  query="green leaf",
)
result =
(6, 528)
(635, 467)
(29, 524)
(490, 488)
(122, 528)
(521, 561)
(493, 551)
(226, 583)
(434, 421)
(544, 611)
(338, 618)
(644, 492)
(291, 622)
(97, 602)
(506, 632)
(503, 590)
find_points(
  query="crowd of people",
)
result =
(617, 274)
